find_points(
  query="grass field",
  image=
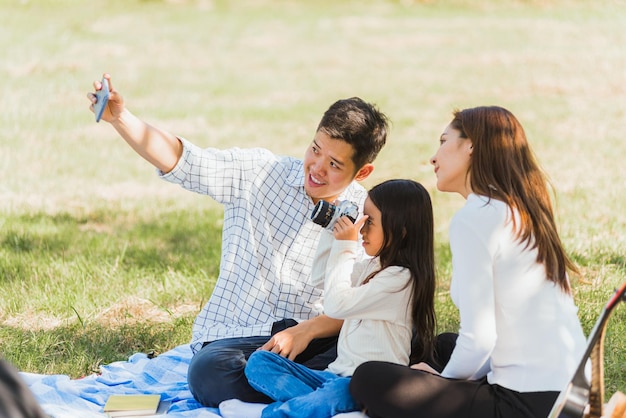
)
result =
(100, 259)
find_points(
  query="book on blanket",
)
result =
(134, 405)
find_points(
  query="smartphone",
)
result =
(102, 98)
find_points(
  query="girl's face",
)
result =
(372, 231)
(452, 161)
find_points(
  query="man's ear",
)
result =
(364, 172)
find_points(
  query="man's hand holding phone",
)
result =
(106, 102)
(102, 99)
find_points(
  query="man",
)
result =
(263, 297)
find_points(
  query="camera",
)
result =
(326, 214)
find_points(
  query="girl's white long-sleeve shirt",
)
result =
(377, 316)
(517, 327)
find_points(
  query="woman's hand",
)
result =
(425, 368)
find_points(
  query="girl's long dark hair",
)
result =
(407, 222)
(504, 167)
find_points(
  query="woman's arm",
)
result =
(472, 290)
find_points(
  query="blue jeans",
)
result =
(216, 372)
(298, 390)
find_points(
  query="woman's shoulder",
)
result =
(483, 206)
(481, 213)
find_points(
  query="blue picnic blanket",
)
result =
(165, 374)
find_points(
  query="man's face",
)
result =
(328, 168)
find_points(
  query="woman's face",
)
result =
(452, 161)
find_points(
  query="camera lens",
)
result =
(323, 213)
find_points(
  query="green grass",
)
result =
(100, 259)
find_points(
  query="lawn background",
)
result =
(100, 259)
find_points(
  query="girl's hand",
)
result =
(287, 343)
(345, 230)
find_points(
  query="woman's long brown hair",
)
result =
(504, 167)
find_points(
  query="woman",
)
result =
(520, 339)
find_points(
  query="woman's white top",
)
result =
(517, 327)
(377, 315)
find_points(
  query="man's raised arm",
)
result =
(158, 147)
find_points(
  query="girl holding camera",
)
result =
(384, 301)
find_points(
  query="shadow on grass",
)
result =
(155, 243)
(79, 351)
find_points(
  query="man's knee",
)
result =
(216, 373)
(212, 373)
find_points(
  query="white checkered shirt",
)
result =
(268, 240)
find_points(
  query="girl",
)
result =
(520, 339)
(381, 300)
